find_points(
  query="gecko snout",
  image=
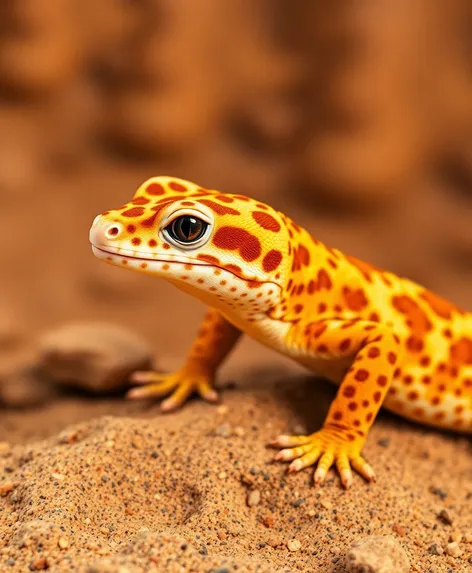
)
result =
(103, 231)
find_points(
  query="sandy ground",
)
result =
(102, 485)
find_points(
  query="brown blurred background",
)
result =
(354, 117)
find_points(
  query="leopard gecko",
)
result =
(384, 340)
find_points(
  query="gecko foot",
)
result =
(181, 385)
(324, 448)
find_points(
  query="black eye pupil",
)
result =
(187, 229)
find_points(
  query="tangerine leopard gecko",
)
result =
(385, 340)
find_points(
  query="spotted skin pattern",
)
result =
(384, 340)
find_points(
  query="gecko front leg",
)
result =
(214, 341)
(374, 350)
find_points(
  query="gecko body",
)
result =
(384, 340)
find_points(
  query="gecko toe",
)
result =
(363, 468)
(208, 393)
(286, 441)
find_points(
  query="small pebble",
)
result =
(294, 545)
(223, 431)
(399, 529)
(439, 492)
(453, 549)
(326, 504)
(274, 542)
(385, 442)
(436, 549)
(253, 498)
(6, 488)
(445, 517)
(63, 543)
(222, 410)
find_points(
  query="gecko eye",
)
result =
(186, 230)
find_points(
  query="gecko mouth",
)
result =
(128, 254)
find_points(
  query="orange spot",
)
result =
(208, 259)
(143, 265)
(349, 391)
(136, 241)
(149, 222)
(382, 380)
(461, 351)
(301, 258)
(332, 264)
(391, 357)
(271, 261)
(417, 319)
(133, 212)
(155, 189)
(140, 201)
(440, 306)
(414, 344)
(175, 186)
(152, 243)
(219, 209)
(355, 298)
(235, 238)
(425, 361)
(131, 229)
(188, 203)
(224, 198)
(266, 221)
(373, 352)
(319, 330)
(361, 375)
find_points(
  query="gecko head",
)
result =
(228, 250)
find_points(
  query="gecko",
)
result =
(384, 340)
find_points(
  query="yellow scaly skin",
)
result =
(383, 339)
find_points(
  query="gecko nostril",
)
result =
(113, 231)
